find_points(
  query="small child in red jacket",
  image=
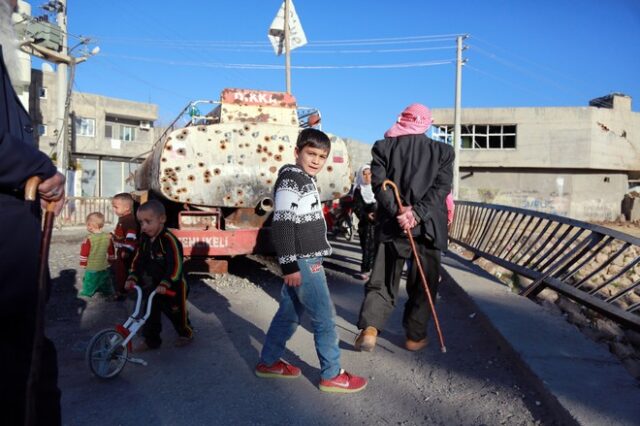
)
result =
(95, 254)
(125, 239)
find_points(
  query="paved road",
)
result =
(212, 380)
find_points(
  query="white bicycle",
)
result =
(108, 350)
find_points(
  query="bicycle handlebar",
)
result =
(167, 292)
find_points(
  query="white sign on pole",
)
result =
(297, 37)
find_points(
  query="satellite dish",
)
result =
(46, 67)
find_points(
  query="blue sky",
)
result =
(520, 53)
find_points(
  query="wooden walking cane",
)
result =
(30, 192)
(425, 285)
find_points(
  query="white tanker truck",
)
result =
(216, 174)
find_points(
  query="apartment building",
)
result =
(108, 136)
(572, 161)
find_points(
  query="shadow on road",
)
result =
(240, 331)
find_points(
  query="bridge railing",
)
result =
(592, 265)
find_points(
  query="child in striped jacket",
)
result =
(157, 265)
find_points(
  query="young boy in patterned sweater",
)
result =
(95, 254)
(299, 233)
(157, 264)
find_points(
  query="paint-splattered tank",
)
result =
(230, 157)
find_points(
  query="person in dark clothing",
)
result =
(364, 206)
(422, 169)
(20, 223)
(157, 264)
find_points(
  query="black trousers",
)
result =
(15, 359)
(174, 307)
(381, 291)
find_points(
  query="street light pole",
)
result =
(287, 45)
(61, 152)
(456, 118)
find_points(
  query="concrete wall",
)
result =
(553, 137)
(359, 152)
(579, 195)
(43, 109)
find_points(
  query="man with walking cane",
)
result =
(422, 170)
(20, 236)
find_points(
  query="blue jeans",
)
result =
(313, 297)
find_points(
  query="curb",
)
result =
(580, 381)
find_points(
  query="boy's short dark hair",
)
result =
(124, 196)
(314, 138)
(154, 206)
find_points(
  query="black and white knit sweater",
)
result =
(298, 229)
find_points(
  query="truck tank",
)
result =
(216, 173)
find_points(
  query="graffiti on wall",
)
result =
(556, 202)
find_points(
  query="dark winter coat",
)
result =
(422, 169)
(19, 219)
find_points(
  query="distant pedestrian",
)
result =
(299, 237)
(157, 265)
(364, 206)
(125, 239)
(422, 169)
(96, 253)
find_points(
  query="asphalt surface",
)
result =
(477, 382)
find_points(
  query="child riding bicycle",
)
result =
(157, 264)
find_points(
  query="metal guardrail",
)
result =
(592, 265)
(76, 209)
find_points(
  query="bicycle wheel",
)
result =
(105, 355)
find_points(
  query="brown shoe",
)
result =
(366, 340)
(413, 345)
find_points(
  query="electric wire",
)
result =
(279, 67)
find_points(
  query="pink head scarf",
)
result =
(414, 120)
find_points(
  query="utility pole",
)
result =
(456, 118)
(287, 45)
(61, 160)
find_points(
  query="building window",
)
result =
(127, 133)
(479, 136)
(121, 128)
(42, 93)
(88, 169)
(441, 134)
(85, 126)
(42, 129)
(111, 179)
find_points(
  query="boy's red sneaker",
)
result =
(343, 383)
(279, 369)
